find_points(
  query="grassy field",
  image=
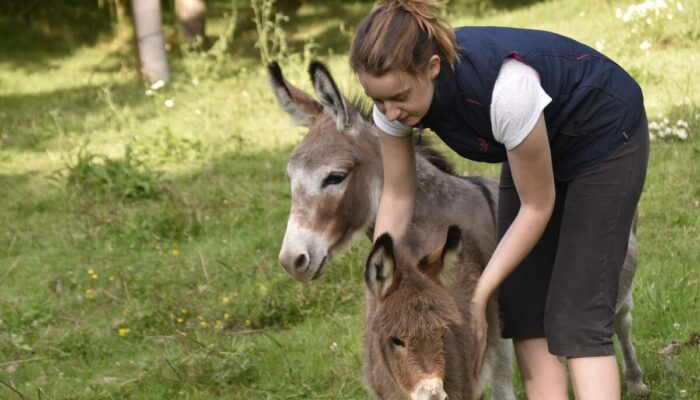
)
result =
(139, 229)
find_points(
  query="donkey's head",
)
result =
(335, 173)
(410, 311)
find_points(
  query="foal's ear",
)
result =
(445, 256)
(301, 106)
(334, 103)
(381, 275)
(452, 251)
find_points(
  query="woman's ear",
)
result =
(433, 66)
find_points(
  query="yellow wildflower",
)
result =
(235, 294)
(219, 325)
(247, 323)
(180, 320)
(203, 324)
(89, 294)
(94, 276)
(226, 316)
(111, 278)
(224, 300)
(123, 331)
(91, 272)
(176, 253)
(183, 310)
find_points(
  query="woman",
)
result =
(570, 128)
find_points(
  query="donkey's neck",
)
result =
(444, 199)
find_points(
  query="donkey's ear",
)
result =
(452, 251)
(445, 257)
(301, 106)
(381, 275)
(431, 264)
(334, 103)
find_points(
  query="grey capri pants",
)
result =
(566, 288)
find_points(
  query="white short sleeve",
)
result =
(517, 102)
(394, 128)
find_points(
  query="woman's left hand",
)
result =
(479, 326)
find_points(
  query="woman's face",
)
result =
(401, 96)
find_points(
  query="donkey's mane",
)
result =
(423, 146)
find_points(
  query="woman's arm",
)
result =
(398, 197)
(531, 166)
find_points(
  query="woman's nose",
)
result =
(392, 112)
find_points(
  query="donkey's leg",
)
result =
(623, 329)
(623, 322)
(502, 383)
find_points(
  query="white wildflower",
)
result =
(676, 326)
(157, 84)
(645, 45)
(679, 6)
(169, 103)
(682, 133)
(600, 45)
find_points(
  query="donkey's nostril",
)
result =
(300, 262)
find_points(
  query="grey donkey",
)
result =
(336, 178)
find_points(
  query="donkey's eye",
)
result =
(396, 342)
(334, 178)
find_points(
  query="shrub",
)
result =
(124, 178)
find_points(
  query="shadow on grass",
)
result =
(36, 32)
(30, 120)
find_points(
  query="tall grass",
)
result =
(146, 267)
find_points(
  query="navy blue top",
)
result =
(595, 106)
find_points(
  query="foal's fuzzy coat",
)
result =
(418, 334)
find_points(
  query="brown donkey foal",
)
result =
(418, 331)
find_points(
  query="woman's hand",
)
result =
(531, 165)
(479, 327)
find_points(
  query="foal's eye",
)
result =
(334, 178)
(396, 342)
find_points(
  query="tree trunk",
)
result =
(192, 16)
(149, 37)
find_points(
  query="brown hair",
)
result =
(402, 35)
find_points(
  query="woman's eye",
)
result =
(334, 178)
(396, 342)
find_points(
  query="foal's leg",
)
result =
(502, 384)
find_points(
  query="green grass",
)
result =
(176, 292)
